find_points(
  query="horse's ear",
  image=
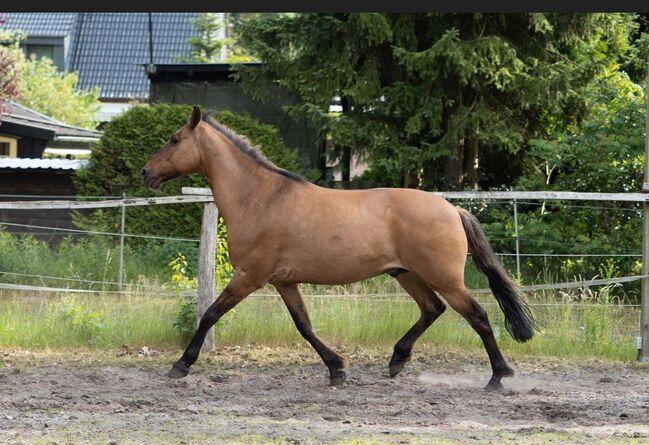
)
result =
(196, 117)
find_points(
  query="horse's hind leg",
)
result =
(295, 303)
(430, 306)
(462, 302)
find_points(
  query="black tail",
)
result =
(518, 318)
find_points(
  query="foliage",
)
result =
(9, 74)
(80, 321)
(130, 140)
(39, 85)
(179, 279)
(635, 63)
(604, 153)
(186, 313)
(224, 269)
(87, 263)
(207, 45)
(426, 97)
(43, 88)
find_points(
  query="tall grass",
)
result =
(581, 324)
(62, 321)
(84, 263)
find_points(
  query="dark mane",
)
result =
(246, 147)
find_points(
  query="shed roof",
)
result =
(21, 115)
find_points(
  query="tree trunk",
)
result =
(453, 173)
(346, 161)
(471, 161)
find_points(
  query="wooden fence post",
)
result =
(122, 232)
(644, 317)
(206, 266)
(518, 245)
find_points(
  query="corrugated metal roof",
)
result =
(32, 164)
(40, 24)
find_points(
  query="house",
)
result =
(30, 142)
(106, 50)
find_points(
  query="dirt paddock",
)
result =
(261, 395)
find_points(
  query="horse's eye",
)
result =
(173, 139)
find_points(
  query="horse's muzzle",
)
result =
(149, 179)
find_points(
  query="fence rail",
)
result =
(112, 203)
(198, 195)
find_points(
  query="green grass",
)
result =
(99, 321)
(577, 325)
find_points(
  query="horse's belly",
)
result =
(338, 261)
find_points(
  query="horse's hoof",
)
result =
(397, 362)
(337, 378)
(396, 368)
(494, 386)
(178, 371)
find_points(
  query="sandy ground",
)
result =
(262, 395)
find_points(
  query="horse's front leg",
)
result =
(239, 288)
(295, 303)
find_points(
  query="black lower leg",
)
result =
(226, 301)
(333, 361)
(403, 348)
(189, 357)
(480, 323)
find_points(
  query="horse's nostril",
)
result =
(143, 171)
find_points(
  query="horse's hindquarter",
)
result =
(340, 236)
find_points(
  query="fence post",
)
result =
(121, 243)
(518, 250)
(206, 266)
(644, 319)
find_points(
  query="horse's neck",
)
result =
(235, 179)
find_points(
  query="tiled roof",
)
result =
(109, 49)
(53, 164)
(43, 24)
(19, 114)
(113, 47)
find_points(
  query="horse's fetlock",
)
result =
(401, 351)
(337, 363)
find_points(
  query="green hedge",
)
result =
(128, 143)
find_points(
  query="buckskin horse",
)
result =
(284, 230)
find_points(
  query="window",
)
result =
(8, 147)
(40, 51)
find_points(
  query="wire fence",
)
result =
(473, 198)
